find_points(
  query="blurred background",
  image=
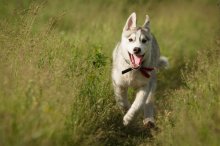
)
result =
(55, 72)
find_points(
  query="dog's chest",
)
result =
(135, 79)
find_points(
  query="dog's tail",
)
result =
(163, 62)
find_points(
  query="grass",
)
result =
(55, 69)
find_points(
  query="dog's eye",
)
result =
(144, 41)
(130, 40)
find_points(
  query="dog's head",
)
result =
(136, 40)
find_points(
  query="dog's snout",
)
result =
(137, 50)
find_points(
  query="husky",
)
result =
(136, 59)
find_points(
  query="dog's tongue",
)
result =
(136, 60)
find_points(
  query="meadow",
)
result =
(55, 73)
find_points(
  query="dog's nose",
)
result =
(137, 50)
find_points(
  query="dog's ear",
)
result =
(147, 22)
(131, 22)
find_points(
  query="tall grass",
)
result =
(192, 115)
(55, 69)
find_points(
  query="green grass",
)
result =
(55, 73)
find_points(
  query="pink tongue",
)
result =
(136, 60)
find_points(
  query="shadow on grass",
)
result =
(112, 132)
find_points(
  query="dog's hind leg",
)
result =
(121, 98)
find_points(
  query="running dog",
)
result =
(136, 59)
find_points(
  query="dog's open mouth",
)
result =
(136, 60)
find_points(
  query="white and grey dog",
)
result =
(135, 60)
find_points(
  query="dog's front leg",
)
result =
(121, 97)
(140, 99)
(149, 105)
(149, 111)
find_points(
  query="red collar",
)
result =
(144, 70)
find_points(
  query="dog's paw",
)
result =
(149, 123)
(126, 120)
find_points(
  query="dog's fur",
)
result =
(132, 37)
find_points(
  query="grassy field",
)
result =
(55, 73)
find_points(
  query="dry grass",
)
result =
(55, 64)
